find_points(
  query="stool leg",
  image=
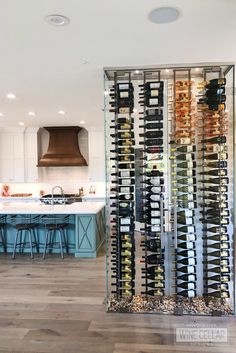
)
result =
(15, 243)
(35, 241)
(3, 241)
(22, 240)
(53, 239)
(60, 241)
(30, 241)
(64, 233)
(45, 244)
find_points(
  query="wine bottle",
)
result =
(216, 156)
(125, 142)
(215, 172)
(187, 293)
(186, 245)
(187, 204)
(187, 261)
(221, 229)
(186, 229)
(216, 221)
(187, 285)
(124, 174)
(212, 99)
(152, 189)
(218, 294)
(124, 86)
(152, 197)
(218, 286)
(153, 270)
(183, 157)
(185, 173)
(220, 181)
(221, 189)
(152, 134)
(154, 292)
(216, 82)
(154, 150)
(152, 102)
(187, 189)
(217, 164)
(217, 140)
(187, 237)
(187, 197)
(211, 91)
(220, 245)
(153, 259)
(123, 120)
(186, 253)
(217, 262)
(215, 205)
(152, 142)
(218, 278)
(214, 148)
(217, 237)
(154, 181)
(123, 189)
(152, 126)
(216, 197)
(220, 269)
(123, 126)
(157, 284)
(124, 181)
(187, 181)
(153, 117)
(186, 269)
(216, 213)
(123, 150)
(147, 86)
(123, 135)
(186, 165)
(155, 276)
(125, 197)
(184, 149)
(126, 166)
(123, 158)
(187, 278)
(152, 245)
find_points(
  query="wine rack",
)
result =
(179, 258)
(153, 181)
(122, 214)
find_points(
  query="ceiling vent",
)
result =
(63, 148)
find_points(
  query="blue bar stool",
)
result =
(3, 242)
(56, 233)
(25, 226)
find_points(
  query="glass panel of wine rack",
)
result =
(180, 258)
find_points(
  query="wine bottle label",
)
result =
(124, 190)
(124, 229)
(184, 141)
(189, 221)
(224, 246)
(155, 197)
(124, 94)
(154, 205)
(153, 101)
(191, 205)
(156, 189)
(124, 110)
(127, 197)
(191, 294)
(154, 92)
(124, 174)
(155, 85)
(188, 213)
(155, 213)
(123, 86)
(126, 181)
(155, 221)
(125, 221)
(159, 285)
(155, 228)
(189, 245)
(191, 261)
(190, 237)
(155, 180)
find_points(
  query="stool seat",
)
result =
(56, 235)
(25, 228)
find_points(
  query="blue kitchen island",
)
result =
(85, 232)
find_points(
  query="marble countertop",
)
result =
(38, 208)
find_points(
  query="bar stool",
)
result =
(56, 234)
(25, 225)
(3, 242)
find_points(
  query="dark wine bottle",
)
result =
(216, 156)
(191, 261)
(186, 229)
(221, 229)
(124, 135)
(220, 245)
(187, 293)
(183, 157)
(187, 285)
(153, 117)
(153, 259)
(147, 86)
(215, 205)
(124, 143)
(216, 197)
(152, 189)
(220, 181)
(215, 172)
(218, 278)
(155, 276)
(186, 245)
(217, 237)
(217, 164)
(187, 237)
(123, 150)
(152, 126)
(218, 294)
(124, 181)
(216, 82)
(123, 120)
(152, 134)
(154, 149)
(124, 197)
(152, 102)
(187, 278)
(187, 269)
(154, 292)
(153, 245)
(156, 284)
(217, 139)
(152, 142)
(218, 286)
(185, 173)
(124, 174)
(126, 166)
(123, 126)
(220, 269)
(187, 181)
(124, 86)
(222, 188)
(184, 149)
(186, 165)
(217, 262)
(123, 158)
(153, 270)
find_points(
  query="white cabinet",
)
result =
(12, 155)
(18, 155)
(31, 155)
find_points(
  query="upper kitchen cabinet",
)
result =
(12, 155)
(18, 155)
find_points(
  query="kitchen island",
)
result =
(86, 230)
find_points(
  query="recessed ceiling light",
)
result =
(106, 93)
(82, 122)
(57, 20)
(1, 114)
(21, 123)
(31, 113)
(137, 71)
(197, 69)
(164, 15)
(11, 96)
(167, 70)
(61, 112)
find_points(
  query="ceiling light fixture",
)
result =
(61, 112)
(137, 71)
(197, 69)
(164, 15)
(1, 114)
(32, 113)
(21, 123)
(82, 122)
(57, 20)
(167, 70)
(11, 96)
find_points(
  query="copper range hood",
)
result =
(63, 148)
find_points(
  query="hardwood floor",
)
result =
(58, 306)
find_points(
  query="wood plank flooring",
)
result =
(56, 306)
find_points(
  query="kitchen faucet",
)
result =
(62, 193)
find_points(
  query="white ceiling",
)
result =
(43, 65)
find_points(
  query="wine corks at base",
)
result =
(167, 305)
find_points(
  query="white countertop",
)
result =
(38, 208)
